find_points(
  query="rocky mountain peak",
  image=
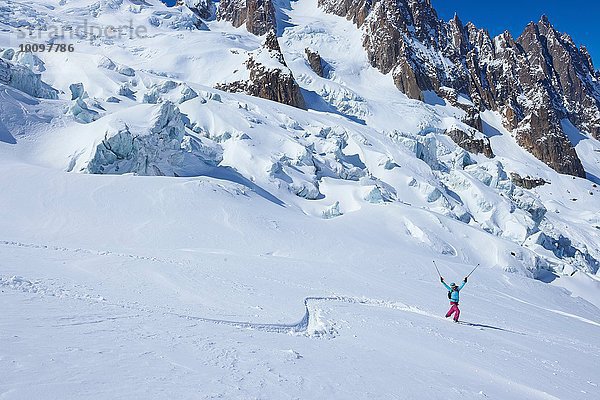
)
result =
(503, 41)
(536, 81)
(544, 22)
(458, 34)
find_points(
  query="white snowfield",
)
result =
(161, 239)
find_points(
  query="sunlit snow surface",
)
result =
(287, 253)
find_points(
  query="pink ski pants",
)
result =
(453, 310)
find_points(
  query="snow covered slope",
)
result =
(161, 238)
(134, 287)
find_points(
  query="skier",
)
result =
(453, 295)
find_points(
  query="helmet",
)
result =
(453, 284)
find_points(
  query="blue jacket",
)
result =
(454, 296)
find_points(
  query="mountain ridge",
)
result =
(474, 70)
(533, 104)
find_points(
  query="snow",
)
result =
(587, 148)
(191, 243)
(24, 79)
(211, 312)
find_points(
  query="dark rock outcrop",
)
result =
(204, 9)
(276, 84)
(268, 82)
(527, 182)
(356, 11)
(540, 133)
(472, 115)
(536, 81)
(258, 15)
(261, 16)
(234, 11)
(470, 143)
(315, 61)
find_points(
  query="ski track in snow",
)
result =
(109, 253)
(303, 326)
(566, 314)
(86, 251)
(311, 323)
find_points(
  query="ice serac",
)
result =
(24, 79)
(270, 78)
(158, 149)
(534, 81)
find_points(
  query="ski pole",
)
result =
(436, 268)
(477, 266)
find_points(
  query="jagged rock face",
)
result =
(273, 84)
(258, 15)
(276, 84)
(541, 134)
(522, 79)
(204, 9)
(234, 11)
(397, 36)
(355, 11)
(567, 72)
(261, 16)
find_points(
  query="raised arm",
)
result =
(463, 284)
(444, 283)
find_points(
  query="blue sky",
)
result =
(578, 18)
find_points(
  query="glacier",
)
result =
(161, 237)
